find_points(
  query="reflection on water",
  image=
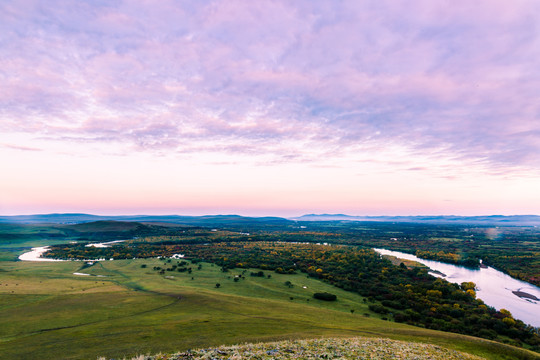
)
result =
(493, 287)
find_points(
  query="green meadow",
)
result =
(123, 309)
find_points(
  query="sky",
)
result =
(270, 107)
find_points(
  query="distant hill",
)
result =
(329, 217)
(106, 226)
(502, 220)
(175, 219)
(52, 218)
(237, 220)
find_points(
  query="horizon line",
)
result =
(253, 216)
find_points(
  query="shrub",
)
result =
(400, 317)
(378, 308)
(325, 296)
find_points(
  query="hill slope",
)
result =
(122, 309)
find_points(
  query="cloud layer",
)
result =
(277, 82)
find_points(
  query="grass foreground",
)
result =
(329, 348)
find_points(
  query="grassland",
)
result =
(126, 310)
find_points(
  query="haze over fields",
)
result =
(270, 107)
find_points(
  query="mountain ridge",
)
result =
(77, 218)
(505, 220)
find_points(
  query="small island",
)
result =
(525, 295)
(437, 272)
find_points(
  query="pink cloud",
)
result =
(428, 75)
(23, 148)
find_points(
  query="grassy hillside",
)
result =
(124, 309)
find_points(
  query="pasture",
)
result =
(124, 309)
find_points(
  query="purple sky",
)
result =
(270, 107)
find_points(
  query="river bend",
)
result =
(493, 287)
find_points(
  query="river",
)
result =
(493, 287)
(35, 254)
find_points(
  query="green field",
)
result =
(47, 312)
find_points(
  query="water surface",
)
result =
(493, 287)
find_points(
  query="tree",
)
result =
(509, 321)
(218, 285)
(468, 285)
(434, 293)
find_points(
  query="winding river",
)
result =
(493, 287)
(35, 254)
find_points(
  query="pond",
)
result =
(494, 287)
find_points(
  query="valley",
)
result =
(235, 284)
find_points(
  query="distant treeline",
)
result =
(514, 250)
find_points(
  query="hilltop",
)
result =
(330, 348)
